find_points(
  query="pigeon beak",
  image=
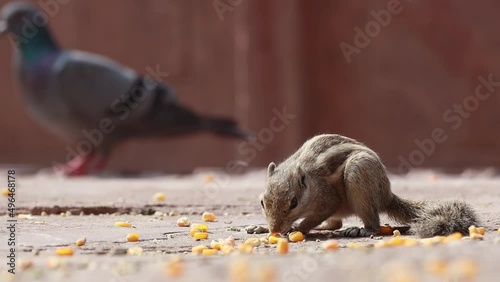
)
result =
(3, 27)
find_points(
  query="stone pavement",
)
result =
(96, 203)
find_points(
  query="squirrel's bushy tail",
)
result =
(404, 211)
(433, 218)
(444, 218)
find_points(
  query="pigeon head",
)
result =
(28, 27)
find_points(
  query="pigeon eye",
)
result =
(294, 203)
(262, 204)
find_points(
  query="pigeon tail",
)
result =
(224, 126)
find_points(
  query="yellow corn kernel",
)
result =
(385, 230)
(229, 241)
(273, 240)
(476, 236)
(194, 230)
(209, 252)
(174, 267)
(282, 247)
(464, 269)
(123, 224)
(498, 230)
(473, 230)
(437, 267)
(255, 242)
(296, 236)
(453, 237)
(275, 234)
(432, 241)
(202, 227)
(215, 245)
(64, 251)
(208, 178)
(227, 249)
(331, 245)
(159, 197)
(395, 241)
(200, 235)
(198, 249)
(208, 216)
(481, 230)
(183, 222)
(396, 233)
(245, 248)
(239, 271)
(135, 251)
(133, 237)
(5, 192)
(80, 242)
(410, 242)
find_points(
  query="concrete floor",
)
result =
(233, 200)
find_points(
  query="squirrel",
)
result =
(332, 177)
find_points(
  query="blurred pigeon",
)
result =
(91, 99)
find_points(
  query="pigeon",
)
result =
(93, 100)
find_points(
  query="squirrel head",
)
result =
(285, 198)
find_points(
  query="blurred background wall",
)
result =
(406, 88)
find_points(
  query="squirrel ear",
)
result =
(271, 168)
(302, 176)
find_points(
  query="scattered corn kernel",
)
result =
(245, 248)
(183, 222)
(453, 237)
(476, 236)
(200, 235)
(194, 230)
(282, 247)
(133, 237)
(215, 245)
(498, 230)
(395, 241)
(209, 252)
(135, 251)
(229, 241)
(159, 197)
(208, 178)
(202, 227)
(385, 230)
(331, 245)
(227, 249)
(198, 249)
(255, 242)
(481, 230)
(5, 192)
(410, 242)
(432, 241)
(123, 224)
(473, 230)
(275, 234)
(464, 269)
(296, 236)
(396, 233)
(437, 267)
(64, 251)
(208, 216)
(174, 267)
(80, 242)
(273, 240)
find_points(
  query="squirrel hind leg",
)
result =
(332, 223)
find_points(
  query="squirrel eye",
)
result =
(294, 203)
(262, 204)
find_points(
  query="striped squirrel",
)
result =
(332, 177)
